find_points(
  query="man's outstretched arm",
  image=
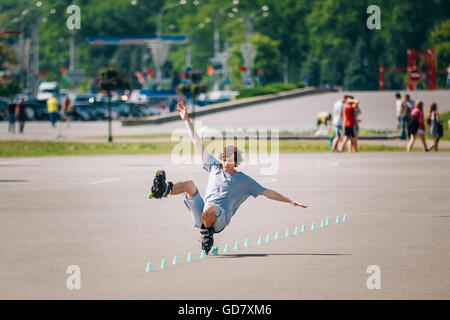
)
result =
(273, 195)
(196, 140)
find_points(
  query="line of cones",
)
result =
(261, 240)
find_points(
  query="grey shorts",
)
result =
(196, 205)
(338, 131)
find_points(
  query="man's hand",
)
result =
(298, 204)
(182, 109)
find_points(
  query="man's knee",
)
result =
(190, 188)
(209, 215)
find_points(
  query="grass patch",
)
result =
(46, 148)
(137, 136)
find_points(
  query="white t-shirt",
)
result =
(338, 107)
(398, 106)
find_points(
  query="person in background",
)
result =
(67, 109)
(338, 114)
(21, 114)
(11, 116)
(408, 107)
(356, 127)
(322, 122)
(448, 77)
(417, 126)
(52, 108)
(434, 122)
(398, 109)
(349, 124)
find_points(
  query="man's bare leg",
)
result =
(209, 215)
(187, 187)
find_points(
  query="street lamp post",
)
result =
(217, 38)
(36, 50)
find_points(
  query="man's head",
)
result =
(231, 157)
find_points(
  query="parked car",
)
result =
(47, 89)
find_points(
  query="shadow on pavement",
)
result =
(244, 255)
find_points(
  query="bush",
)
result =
(268, 89)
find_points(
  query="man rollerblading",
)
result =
(227, 188)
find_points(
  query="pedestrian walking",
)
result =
(21, 114)
(398, 109)
(67, 109)
(417, 127)
(436, 128)
(408, 107)
(349, 125)
(338, 114)
(356, 127)
(52, 108)
(11, 116)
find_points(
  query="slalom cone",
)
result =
(203, 255)
(246, 243)
(297, 230)
(149, 267)
(287, 234)
(260, 240)
(190, 257)
(237, 246)
(304, 228)
(226, 249)
(175, 260)
(277, 235)
(344, 218)
(164, 264)
(338, 219)
(215, 251)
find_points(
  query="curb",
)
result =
(229, 105)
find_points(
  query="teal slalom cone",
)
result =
(149, 267)
(164, 264)
(287, 234)
(203, 255)
(190, 257)
(344, 218)
(297, 230)
(237, 246)
(313, 226)
(215, 251)
(246, 243)
(338, 219)
(268, 238)
(277, 235)
(226, 249)
(175, 260)
(260, 240)
(304, 228)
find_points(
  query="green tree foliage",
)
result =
(320, 38)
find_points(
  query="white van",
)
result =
(47, 89)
